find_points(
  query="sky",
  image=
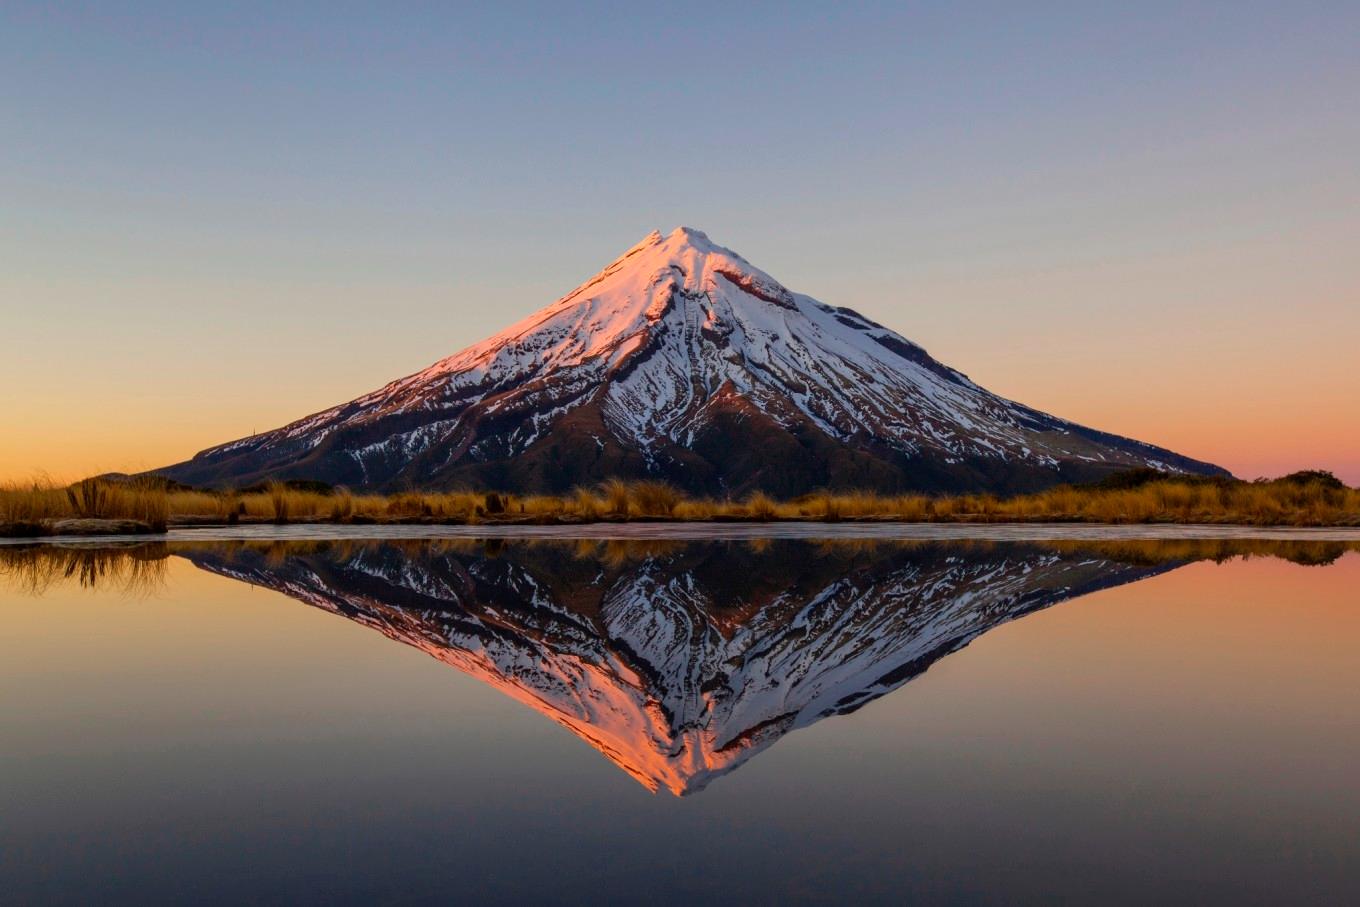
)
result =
(218, 218)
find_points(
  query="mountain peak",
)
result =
(678, 240)
(690, 236)
(681, 360)
(686, 259)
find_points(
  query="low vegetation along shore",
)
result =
(142, 505)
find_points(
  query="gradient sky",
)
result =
(215, 220)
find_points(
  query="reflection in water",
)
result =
(678, 661)
(135, 568)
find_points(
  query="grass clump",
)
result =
(615, 494)
(278, 494)
(760, 506)
(653, 498)
(142, 500)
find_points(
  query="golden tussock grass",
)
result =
(1303, 499)
(100, 499)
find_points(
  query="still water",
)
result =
(664, 721)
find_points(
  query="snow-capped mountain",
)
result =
(682, 663)
(682, 361)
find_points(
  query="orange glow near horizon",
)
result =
(1252, 427)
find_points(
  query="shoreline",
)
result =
(685, 530)
(101, 506)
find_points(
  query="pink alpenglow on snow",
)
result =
(682, 361)
(678, 672)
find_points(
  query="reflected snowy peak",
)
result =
(680, 662)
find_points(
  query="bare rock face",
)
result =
(682, 361)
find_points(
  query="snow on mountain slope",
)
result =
(680, 666)
(673, 356)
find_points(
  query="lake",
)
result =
(813, 714)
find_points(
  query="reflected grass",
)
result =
(133, 570)
(139, 568)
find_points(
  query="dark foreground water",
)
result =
(666, 721)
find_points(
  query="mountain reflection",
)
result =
(676, 660)
(680, 661)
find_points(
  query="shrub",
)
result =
(1319, 477)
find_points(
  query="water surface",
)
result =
(946, 720)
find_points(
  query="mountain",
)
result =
(679, 662)
(682, 361)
